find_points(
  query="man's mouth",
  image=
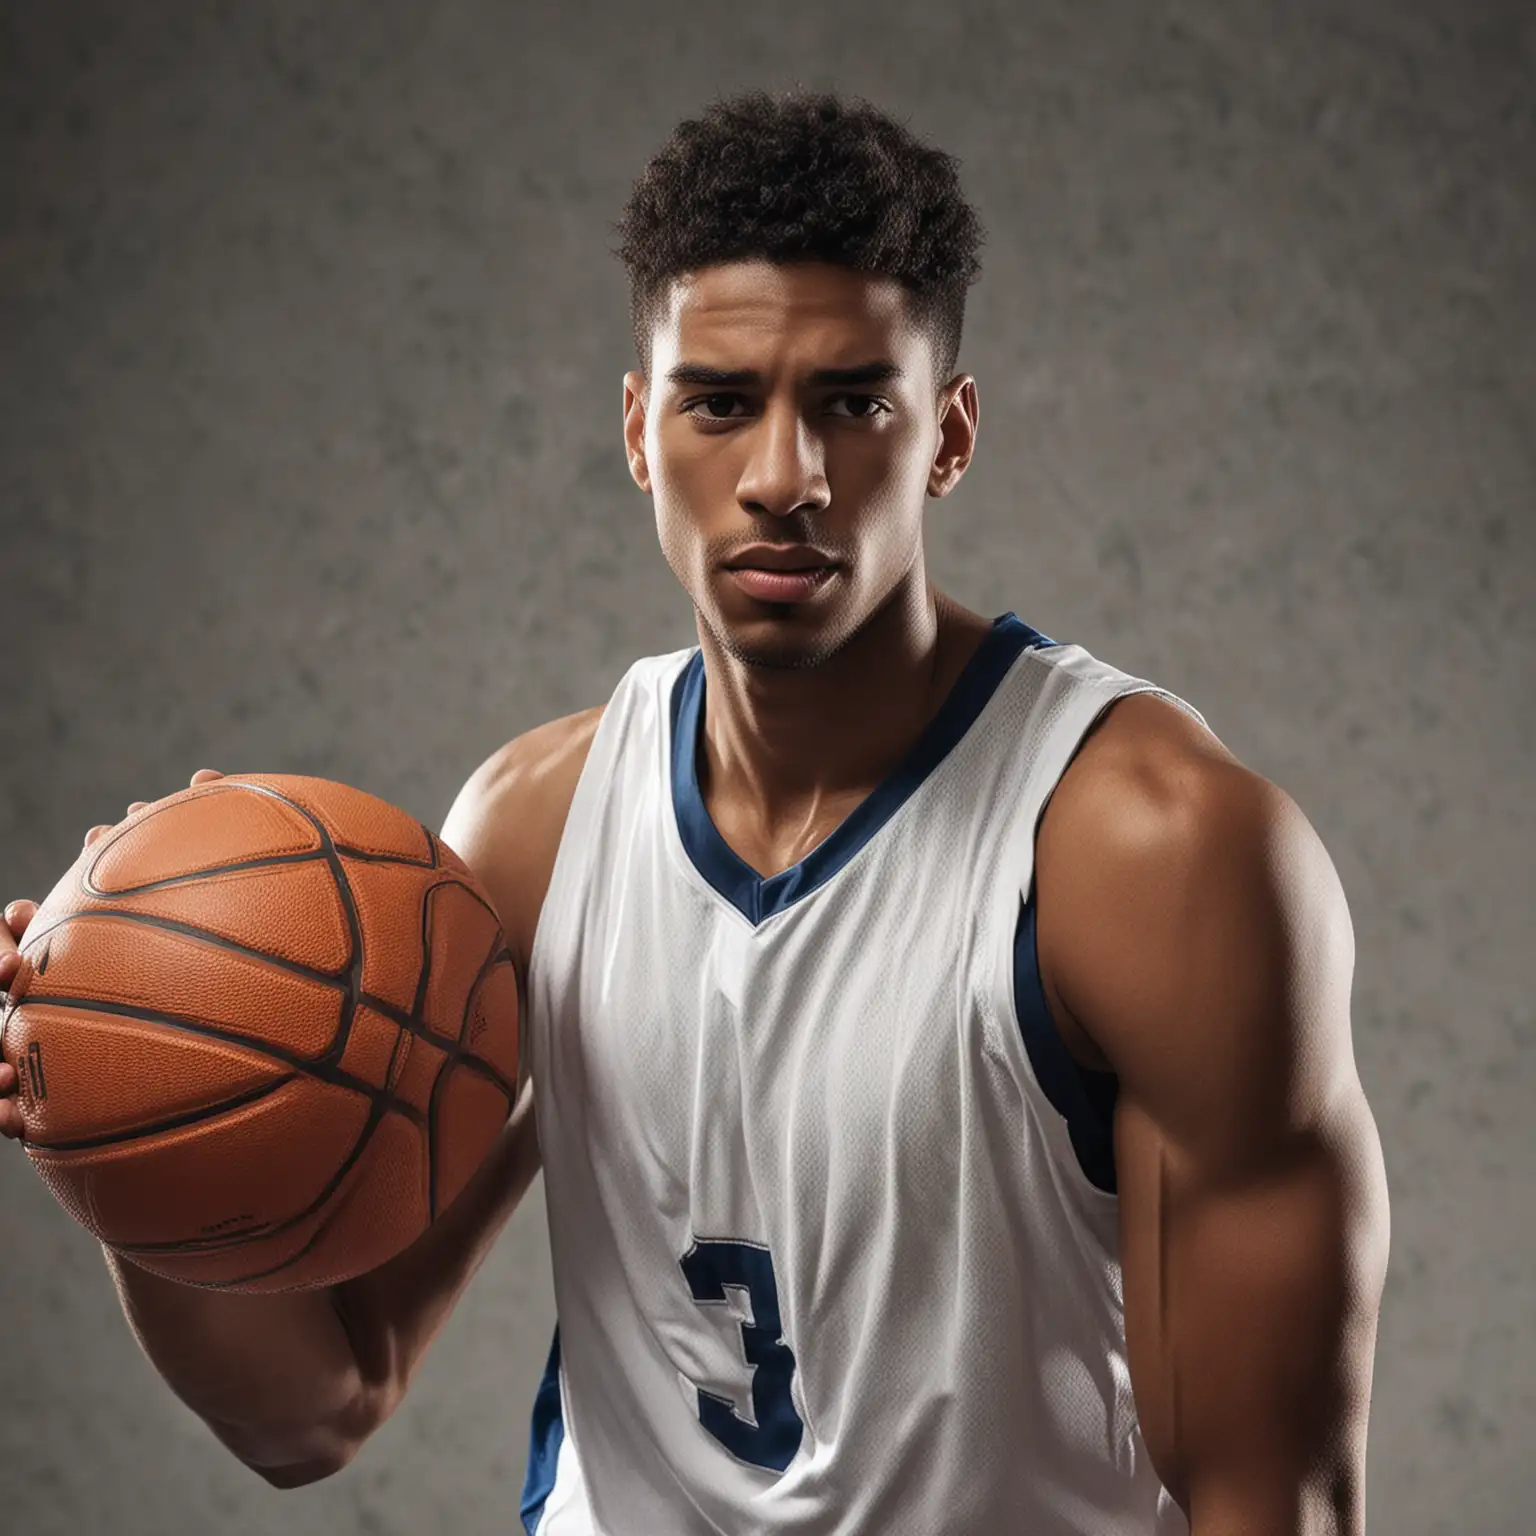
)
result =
(780, 557)
(790, 585)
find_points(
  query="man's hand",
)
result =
(18, 916)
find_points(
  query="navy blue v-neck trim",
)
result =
(740, 884)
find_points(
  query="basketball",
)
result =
(265, 1031)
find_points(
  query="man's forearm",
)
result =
(393, 1313)
(293, 1383)
(274, 1377)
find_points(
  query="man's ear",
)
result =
(957, 435)
(635, 388)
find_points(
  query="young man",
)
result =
(939, 1043)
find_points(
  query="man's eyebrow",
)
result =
(881, 371)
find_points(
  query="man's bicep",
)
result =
(1251, 1296)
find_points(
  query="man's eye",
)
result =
(712, 401)
(877, 406)
(718, 407)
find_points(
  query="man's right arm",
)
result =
(276, 1378)
(294, 1383)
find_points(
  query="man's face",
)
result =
(740, 444)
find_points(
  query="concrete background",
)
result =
(310, 360)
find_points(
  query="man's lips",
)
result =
(786, 586)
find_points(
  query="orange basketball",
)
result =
(265, 1031)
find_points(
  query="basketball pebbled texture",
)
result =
(265, 1031)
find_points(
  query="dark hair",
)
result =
(802, 177)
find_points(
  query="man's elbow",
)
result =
(319, 1452)
(301, 1474)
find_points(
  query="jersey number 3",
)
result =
(709, 1266)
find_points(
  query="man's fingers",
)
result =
(10, 1110)
(202, 776)
(17, 915)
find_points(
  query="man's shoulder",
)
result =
(1165, 864)
(1149, 792)
(507, 821)
(1146, 757)
(543, 757)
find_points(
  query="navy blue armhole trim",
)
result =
(545, 1434)
(1084, 1098)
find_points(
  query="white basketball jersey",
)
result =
(831, 1210)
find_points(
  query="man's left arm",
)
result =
(1253, 1202)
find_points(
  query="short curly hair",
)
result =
(802, 176)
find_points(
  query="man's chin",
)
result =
(754, 645)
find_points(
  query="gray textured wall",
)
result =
(310, 360)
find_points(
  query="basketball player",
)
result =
(939, 1042)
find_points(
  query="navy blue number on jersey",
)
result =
(709, 1266)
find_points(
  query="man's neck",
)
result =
(781, 743)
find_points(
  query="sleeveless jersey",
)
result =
(831, 1210)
